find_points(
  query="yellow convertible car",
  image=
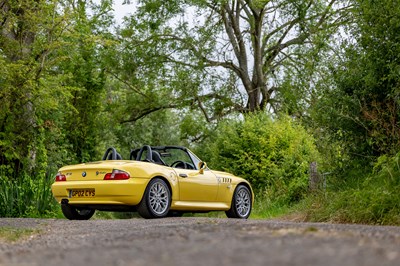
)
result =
(156, 182)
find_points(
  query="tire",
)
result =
(156, 200)
(241, 203)
(175, 214)
(73, 213)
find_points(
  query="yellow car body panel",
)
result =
(191, 189)
(128, 192)
(197, 187)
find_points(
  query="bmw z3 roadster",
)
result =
(156, 182)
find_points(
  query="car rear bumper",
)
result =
(113, 192)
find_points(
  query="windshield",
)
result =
(173, 156)
(176, 157)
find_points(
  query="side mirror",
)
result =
(202, 167)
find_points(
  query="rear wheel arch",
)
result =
(162, 178)
(167, 182)
(156, 199)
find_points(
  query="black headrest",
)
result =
(156, 157)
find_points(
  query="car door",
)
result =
(194, 186)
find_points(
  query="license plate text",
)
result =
(82, 193)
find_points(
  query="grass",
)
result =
(266, 208)
(369, 205)
(11, 234)
(27, 197)
(263, 208)
(374, 200)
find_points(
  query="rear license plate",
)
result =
(82, 193)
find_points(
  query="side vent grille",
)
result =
(225, 180)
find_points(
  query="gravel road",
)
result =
(199, 241)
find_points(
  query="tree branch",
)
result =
(148, 111)
(138, 114)
(226, 64)
(273, 51)
(128, 85)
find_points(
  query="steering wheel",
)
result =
(149, 156)
(176, 163)
(111, 154)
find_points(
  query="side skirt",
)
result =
(199, 206)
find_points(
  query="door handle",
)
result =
(183, 175)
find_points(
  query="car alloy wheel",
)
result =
(156, 200)
(241, 203)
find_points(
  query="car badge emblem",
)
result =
(83, 173)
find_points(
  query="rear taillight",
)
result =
(117, 175)
(60, 177)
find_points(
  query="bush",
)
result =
(375, 201)
(274, 155)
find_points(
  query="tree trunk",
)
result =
(315, 183)
(253, 102)
(17, 29)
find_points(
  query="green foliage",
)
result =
(159, 128)
(364, 103)
(27, 197)
(227, 49)
(71, 86)
(356, 121)
(84, 62)
(53, 85)
(27, 41)
(266, 207)
(374, 201)
(274, 155)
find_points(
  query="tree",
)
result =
(89, 38)
(363, 105)
(30, 33)
(236, 52)
(52, 84)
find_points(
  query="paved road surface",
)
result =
(199, 241)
